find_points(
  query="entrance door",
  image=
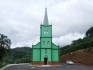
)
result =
(45, 61)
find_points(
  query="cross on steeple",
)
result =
(45, 22)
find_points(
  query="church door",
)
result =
(45, 61)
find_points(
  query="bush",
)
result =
(2, 64)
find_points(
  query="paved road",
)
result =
(61, 67)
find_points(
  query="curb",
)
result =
(5, 67)
(9, 65)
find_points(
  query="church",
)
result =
(45, 52)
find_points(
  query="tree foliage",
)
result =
(89, 32)
(5, 44)
(19, 55)
(86, 42)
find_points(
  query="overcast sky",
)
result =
(20, 20)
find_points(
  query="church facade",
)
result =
(45, 52)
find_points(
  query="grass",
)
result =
(2, 64)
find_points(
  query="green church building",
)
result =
(45, 52)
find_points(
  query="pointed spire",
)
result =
(45, 22)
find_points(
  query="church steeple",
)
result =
(45, 52)
(45, 22)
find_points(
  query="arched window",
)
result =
(44, 42)
(48, 43)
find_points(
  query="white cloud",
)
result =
(67, 39)
(61, 41)
(20, 19)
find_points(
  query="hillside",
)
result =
(80, 56)
(80, 50)
(19, 55)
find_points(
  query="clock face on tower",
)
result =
(45, 32)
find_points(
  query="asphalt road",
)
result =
(61, 67)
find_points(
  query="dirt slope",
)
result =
(79, 57)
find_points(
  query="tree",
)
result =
(85, 43)
(89, 32)
(5, 44)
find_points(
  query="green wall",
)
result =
(55, 55)
(36, 54)
(48, 54)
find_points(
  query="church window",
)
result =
(48, 42)
(44, 42)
